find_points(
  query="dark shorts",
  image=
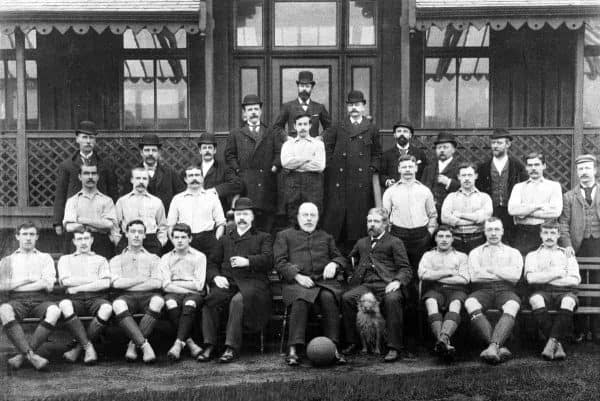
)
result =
(181, 299)
(494, 295)
(444, 294)
(554, 295)
(30, 304)
(88, 303)
(137, 302)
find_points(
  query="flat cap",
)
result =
(585, 159)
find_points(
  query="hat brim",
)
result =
(305, 82)
(363, 101)
(447, 141)
(243, 208)
(509, 137)
(207, 143)
(248, 104)
(141, 145)
(84, 131)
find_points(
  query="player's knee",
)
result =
(537, 302)
(454, 306)
(156, 304)
(432, 306)
(191, 303)
(52, 314)
(119, 306)
(66, 307)
(511, 308)
(471, 305)
(568, 303)
(105, 311)
(7, 313)
(171, 304)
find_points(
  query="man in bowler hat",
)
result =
(403, 134)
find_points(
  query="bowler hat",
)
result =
(501, 133)
(445, 137)
(403, 123)
(207, 138)
(150, 140)
(251, 99)
(86, 127)
(243, 204)
(585, 159)
(305, 77)
(355, 97)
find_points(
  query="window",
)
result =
(155, 84)
(457, 80)
(591, 78)
(362, 15)
(320, 93)
(8, 82)
(249, 23)
(306, 23)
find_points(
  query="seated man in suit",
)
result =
(384, 270)
(308, 260)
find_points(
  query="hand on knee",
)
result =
(106, 311)
(472, 305)
(7, 314)
(156, 304)
(537, 302)
(432, 306)
(511, 308)
(171, 304)
(66, 307)
(454, 306)
(119, 306)
(52, 314)
(568, 303)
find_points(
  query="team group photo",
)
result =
(289, 200)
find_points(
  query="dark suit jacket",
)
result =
(68, 184)
(226, 182)
(253, 160)
(252, 281)
(388, 257)
(572, 219)
(165, 184)
(297, 251)
(290, 110)
(389, 163)
(440, 192)
(516, 174)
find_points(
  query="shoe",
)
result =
(38, 362)
(175, 352)
(490, 354)
(339, 359)
(194, 348)
(504, 354)
(391, 356)
(90, 357)
(549, 349)
(228, 356)
(131, 353)
(350, 349)
(559, 354)
(16, 361)
(441, 346)
(148, 355)
(73, 354)
(206, 355)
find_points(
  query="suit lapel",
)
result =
(579, 196)
(158, 176)
(358, 129)
(263, 132)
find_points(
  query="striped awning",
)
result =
(100, 15)
(499, 14)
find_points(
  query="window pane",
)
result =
(473, 93)
(8, 41)
(450, 37)
(146, 40)
(361, 80)
(592, 36)
(249, 23)
(320, 92)
(440, 92)
(309, 23)
(361, 27)
(2, 94)
(171, 95)
(138, 94)
(248, 82)
(32, 91)
(591, 92)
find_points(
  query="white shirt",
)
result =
(357, 121)
(206, 166)
(500, 162)
(202, 210)
(150, 170)
(299, 149)
(304, 104)
(443, 164)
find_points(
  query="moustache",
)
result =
(195, 182)
(150, 158)
(140, 186)
(242, 221)
(90, 181)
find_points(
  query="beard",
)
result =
(402, 141)
(304, 95)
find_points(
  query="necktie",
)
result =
(151, 172)
(374, 242)
(403, 152)
(588, 194)
(86, 161)
(304, 106)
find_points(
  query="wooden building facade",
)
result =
(181, 67)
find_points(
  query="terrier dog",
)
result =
(370, 324)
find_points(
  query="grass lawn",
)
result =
(265, 378)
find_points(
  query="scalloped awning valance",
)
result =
(499, 14)
(99, 15)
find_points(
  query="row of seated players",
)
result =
(176, 285)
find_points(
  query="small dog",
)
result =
(370, 324)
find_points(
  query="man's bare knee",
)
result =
(52, 314)
(156, 304)
(568, 303)
(191, 303)
(7, 313)
(119, 306)
(454, 306)
(432, 306)
(472, 304)
(105, 311)
(171, 304)
(537, 302)
(66, 307)
(511, 308)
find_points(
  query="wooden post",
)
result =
(405, 22)
(22, 185)
(209, 71)
(578, 102)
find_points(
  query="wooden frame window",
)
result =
(591, 78)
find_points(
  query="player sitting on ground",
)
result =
(552, 276)
(136, 273)
(445, 276)
(25, 277)
(86, 277)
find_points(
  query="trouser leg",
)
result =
(233, 336)
(298, 319)
(330, 312)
